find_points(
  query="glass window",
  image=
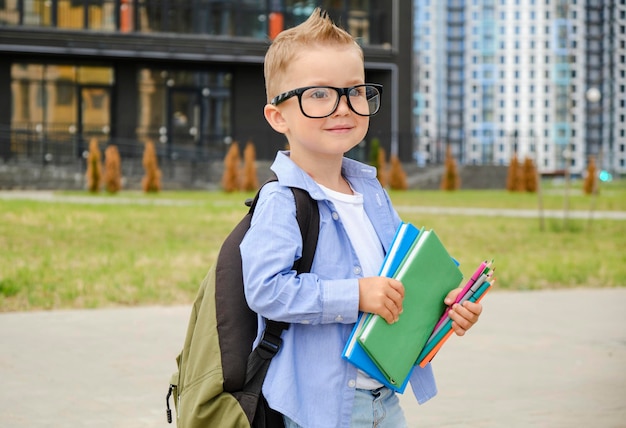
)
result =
(9, 13)
(95, 75)
(37, 13)
(26, 81)
(187, 110)
(70, 14)
(54, 104)
(101, 14)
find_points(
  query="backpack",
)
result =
(220, 376)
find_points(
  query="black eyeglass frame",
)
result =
(341, 91)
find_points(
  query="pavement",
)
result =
(51, 196)
(554, 358)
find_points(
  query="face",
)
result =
(330, 136)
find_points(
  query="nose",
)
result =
(343, 107)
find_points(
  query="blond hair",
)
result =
(318, 29)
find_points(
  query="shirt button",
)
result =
(338, 318)
(351, 383)
(335, 216)
(357, 270)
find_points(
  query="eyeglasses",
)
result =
(317, 102)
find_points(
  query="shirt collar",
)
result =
(289, 174)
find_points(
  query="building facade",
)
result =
(186, 74)
(544, 79)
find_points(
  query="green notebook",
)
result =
(428, 274)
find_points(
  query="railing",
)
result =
(61, 148)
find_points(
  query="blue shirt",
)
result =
(308, 380)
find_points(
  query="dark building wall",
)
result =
(404, 62)
(5, 107)
(249, 123)
(125, 101)
(380, 124)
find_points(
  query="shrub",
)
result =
(397, 176)
(377, 157)
(94, 168)
(151, 181)
(230, 178)
(112, 169)
(520, 178)
(381, 169)
(374, 155)
(450, 180)
(250, 180)
(512, 173)
(591, 185)
(530, 175)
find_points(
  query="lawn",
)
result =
(85, 251)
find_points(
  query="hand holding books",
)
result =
(381, 295)
(474, 290)
(388, 352)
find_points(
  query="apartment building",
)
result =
(543, 79)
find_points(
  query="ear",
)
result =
(275, 118)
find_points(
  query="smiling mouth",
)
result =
(340, 128)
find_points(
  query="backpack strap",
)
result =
(307, 214)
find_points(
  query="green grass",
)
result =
(136, 249)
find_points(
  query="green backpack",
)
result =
(219, 377)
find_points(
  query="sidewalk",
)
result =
(50, 196)
(541, 359)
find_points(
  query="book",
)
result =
(405, 236)
(428, 274)
(436, 341)
(355, 354)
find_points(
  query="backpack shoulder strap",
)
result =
(307, 214)
(308, 217)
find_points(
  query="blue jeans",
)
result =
(372, 409)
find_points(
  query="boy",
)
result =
(317, 98)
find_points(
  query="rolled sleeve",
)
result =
(340, 301)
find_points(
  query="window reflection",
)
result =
(9, 12)
(185, 110)
(257, 19)
(56, 102)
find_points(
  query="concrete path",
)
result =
(540, 359)
(50, 196)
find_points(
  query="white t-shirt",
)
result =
(366, 244)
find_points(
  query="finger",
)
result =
(393, 310)
(397, 286)
(451, 297)
(394, 303)
(470, 311)
(475, 308)
(388, 316)
(463, 317)
(396, 298)
(458, 330)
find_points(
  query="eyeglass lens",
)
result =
(321, 102)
